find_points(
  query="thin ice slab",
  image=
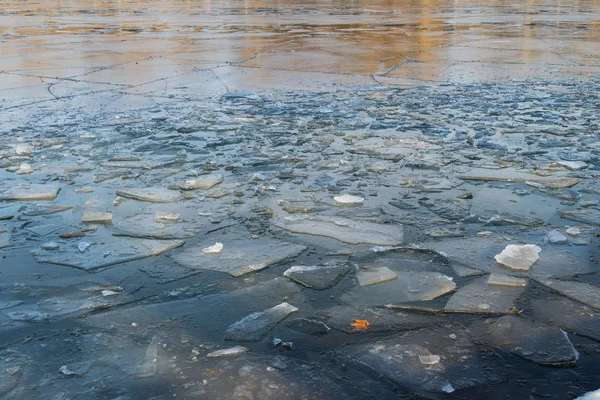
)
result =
(425, 362)
(240, 257)
(149, 365)
(542, 344)
(315, 276)
(406, 288)
(372, 276)
(152, 195)
(343, 229)
(205, 182)
(44, 209)
(256, 325)
(145, 226)
(344, 318)
(567, 314)
(29, 192)
(478, 297)
(519, 257)
(578, 291)
(506, 280)
(99, 255)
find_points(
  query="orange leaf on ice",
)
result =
(360, 324)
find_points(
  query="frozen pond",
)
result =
(304, 200)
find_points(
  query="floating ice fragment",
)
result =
(215, 249)
(82, 246)
(253, 327)
(347, 199)
(149, 365)
(372, 276)
(106, 253)
(477, 298)
(241, 257)
(540, 343)
(26, 192)
(447, 388)
(93, 217)
(519, 257)
(343, 229)
(24, 150)
(573, 231)
(430, 359)
(24, 169)
(50, 246)
(166, 217)
(573, 165)
(77, 369)
(505, 280)
(152, 195)
(316, 277)
(555, 237)
(205, 183)
(230, 352)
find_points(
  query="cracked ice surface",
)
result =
(172, 171)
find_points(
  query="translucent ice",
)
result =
(253, 327)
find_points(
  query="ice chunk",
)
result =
(30, 192)
(316, 277)
(519, 257)
(343, 229)
(106, 253)
(348, 200)
(408, 287)
(24, 169)
(542, 344)
(230, 352)
(77, 369)
(429, 359)
(555, 237)
(573, 165)
(573, 231)
(213, 250)
(478, 297)
(152, 195)
(23, 150)
(372, 276)
(505, 280)
(241, 257)
(205, 183)
(149, 365)
(93, 217)
(253, 327)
